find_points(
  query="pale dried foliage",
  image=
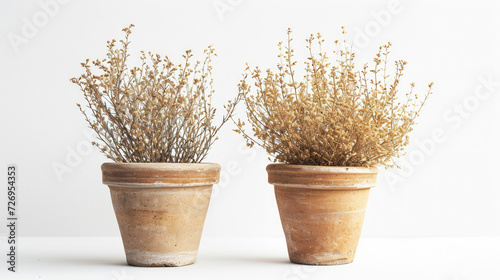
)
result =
(335, 115)
(157, 112)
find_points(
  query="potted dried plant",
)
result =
(327, 132)
(155, 121)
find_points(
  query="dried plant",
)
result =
(334, 116)
(158, 112)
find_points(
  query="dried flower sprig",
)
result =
(157, 112)
(334, 116)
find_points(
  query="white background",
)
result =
(448, 186)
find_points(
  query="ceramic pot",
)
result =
(161, 209)
(322, 210)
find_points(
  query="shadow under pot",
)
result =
(322, 210)
(161, 209)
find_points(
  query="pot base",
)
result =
(323, 259)
(152, 259)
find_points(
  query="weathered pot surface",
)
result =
(161, 209)
(322, 210)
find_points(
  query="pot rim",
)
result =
(320, 168)
(322, 177)
(168, 174)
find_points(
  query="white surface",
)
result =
(264, 258)
(450, 189)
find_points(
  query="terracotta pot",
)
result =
(322, 210)
(161, 209)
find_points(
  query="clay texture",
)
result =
(161, 209)
(321, 210)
